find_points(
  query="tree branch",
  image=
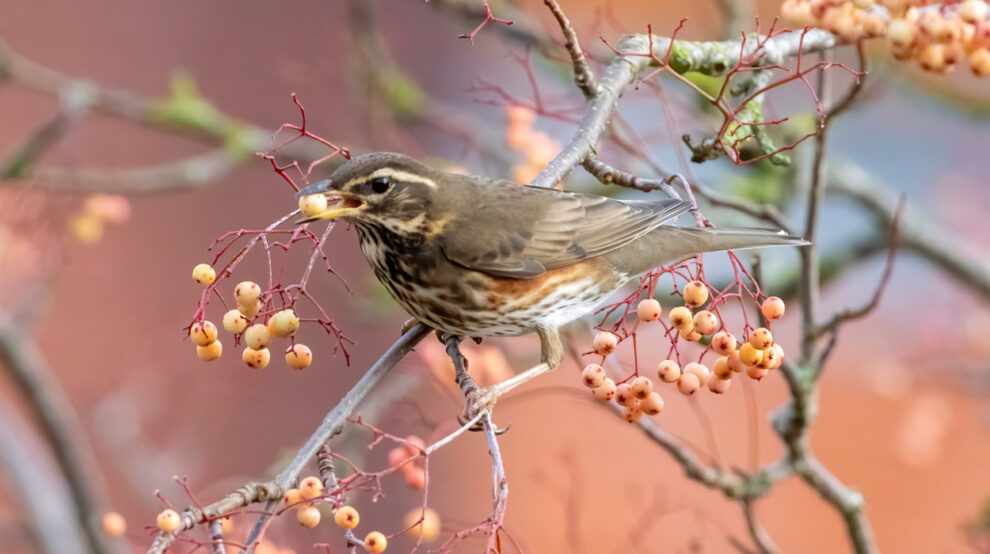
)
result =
(710, 58)
(27, 368)
(273, 491)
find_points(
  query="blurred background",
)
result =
(100, 312)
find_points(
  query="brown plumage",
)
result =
(474, 256)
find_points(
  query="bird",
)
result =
(474, 256)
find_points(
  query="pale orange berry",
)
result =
(86, 228)
(415, 476)
(863, 4)
(250, 310)
(257, 336)
(723, 343)
(346, 517)
(114, 524)
(755, 372)
(699, 370)
(901, 33)
(652, 404)
(605, 343)
(668, 371)
(648, 310)
(396, 456)
(299, 356)
(312, 205)
(735, 364)
(203, 333)
(721, 368)
(688, 384)
(308, 516)
(680, 319)
(226, 524)
(719, 386)
(293, 497)
(973, 11)
(283, 323)
(873, 25)
(210, 352)
(749, 354)
(256, 359)
(934, 25)
(414, 445)
(605, 391)
(705, 322)
(519, 115)
(311, 487)
(769, 360)
(931, 57)
(375, 542)
(247, 293)
(113, 208)
(779, 359)
(772, 308)
(695, 294)
(641, 387)
(593, 376)
(428, 521)
(168, 521)
(979, 62)
(234, 321)
(632, 412)
(761, 338)
(204, 274)
(624, 394)
(797, 12)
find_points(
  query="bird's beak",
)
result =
(338, 203)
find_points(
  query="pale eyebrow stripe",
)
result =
(396, 174)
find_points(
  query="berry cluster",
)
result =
(346, 517)
(407, 459)
(936, 36)
(98, 210)
(257, 337)
(849, 19)
(754, 357)
(537, 147)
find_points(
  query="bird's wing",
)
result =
(521, 231)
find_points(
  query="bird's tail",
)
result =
(668, 244)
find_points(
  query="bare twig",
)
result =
(584, 78)
(272, 491)
(710, 58)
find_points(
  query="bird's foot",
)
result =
(480, 402)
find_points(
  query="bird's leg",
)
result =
(552, 352)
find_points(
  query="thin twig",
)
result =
(584, 78)
(273, 491)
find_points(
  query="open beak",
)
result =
(339, 203)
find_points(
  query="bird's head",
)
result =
(382, 189)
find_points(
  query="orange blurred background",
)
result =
(903, 414)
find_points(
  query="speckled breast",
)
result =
(458, 300)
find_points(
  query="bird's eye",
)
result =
(380, 184)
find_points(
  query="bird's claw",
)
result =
(480, 401)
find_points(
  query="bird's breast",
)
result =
(459, 300)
